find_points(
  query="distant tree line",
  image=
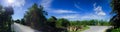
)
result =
(90, 23)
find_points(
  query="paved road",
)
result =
(97, 28)
(21, 28)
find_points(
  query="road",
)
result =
(21, 28)
(97, 28)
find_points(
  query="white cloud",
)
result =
(98, 10)
(60, 11)
(92, 16)
(78, 7)
(100, 14)
(46, 3)
(70, 16)
(88, 16)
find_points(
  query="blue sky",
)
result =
(69, 9)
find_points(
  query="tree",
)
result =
(6, 19)
(35, 17)
(115, 21)
(23, 21)
(52, 21)
(64, 22)
(115, 4)
(17, 21)
(53, 18)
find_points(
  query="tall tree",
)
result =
(35, 17)
(115, 4)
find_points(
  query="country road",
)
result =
(21, 28)
(97, 28)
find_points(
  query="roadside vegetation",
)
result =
(84, 24)
(6, 19)
(71, 26)
(115, 20)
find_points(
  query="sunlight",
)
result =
(14, 3)
(10, 1)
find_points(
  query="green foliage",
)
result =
(5, 19)
(17, 21)
(62, 22)
(83, 25)
(22, 21)
(52, 21)
(89, 22)
(115, 4)
(116, 30)
(77, 23)
(35, 17)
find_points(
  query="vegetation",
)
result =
(62, 22)
(22, 21)
(52, 21)
(116, 10)
(5, 19)
(115, 20)
(83, 25)
(90, 22)
(35, 18)
(116, 30)
(80, 25)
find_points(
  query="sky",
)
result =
(68, 9)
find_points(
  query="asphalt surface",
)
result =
(21, 28)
